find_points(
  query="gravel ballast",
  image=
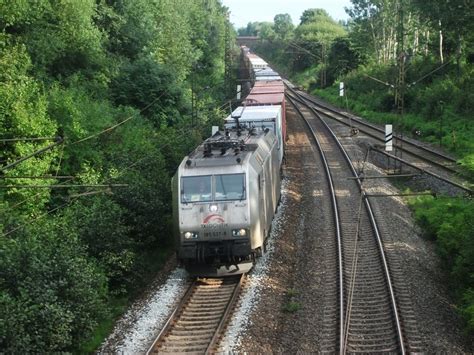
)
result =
(136, 330)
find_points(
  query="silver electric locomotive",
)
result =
(225, 195)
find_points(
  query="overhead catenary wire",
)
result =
(27, 139)
(108, 129)
(75, 197)
(91, 136)
(70, 200)
(18, 204)
(111, 128)
(59, 186)
(38, 152)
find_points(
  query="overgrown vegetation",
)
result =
(435, 42)
(291, 306)
(115, 79)
(450, 222)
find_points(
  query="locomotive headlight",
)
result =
(239, 232)
(213, 208)
(190, 235)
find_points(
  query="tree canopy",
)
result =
(107, 87)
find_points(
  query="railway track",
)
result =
(417, 156)
(362, 313)
(415, 148)
(198, 320)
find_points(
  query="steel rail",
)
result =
(358, 120)
(172, 317)
(337, 223)
(454, 183)
(376, 230)
(226, 314)
(424, 171)
(374, 226)
(379, 138)
(176, 314)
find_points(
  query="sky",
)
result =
(245, 11)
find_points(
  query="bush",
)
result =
(52, 294)
(450, 222)
(151, 87)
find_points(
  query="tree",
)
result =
(113, 78)
(143, 83)
(283, 26)
(318, 26)
(342, 58)
(374, 28)
(313, 37)
(267, 31)
(51, 294)
(453, 21)
(23, 113)
(49, 30)
(311, 15)
(260, 29)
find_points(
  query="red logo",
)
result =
(214, 219)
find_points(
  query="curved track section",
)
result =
(195, 325)
(369, 314)
(425, 156)
(418, 156)
(372, 130)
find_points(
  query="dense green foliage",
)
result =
(306, 47)
(451, 223)
(116, 80)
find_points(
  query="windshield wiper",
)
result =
(243, 192)
(184, 197)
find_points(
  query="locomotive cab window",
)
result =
(229, 187)
(196, 189)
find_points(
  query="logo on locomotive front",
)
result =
(213, 220)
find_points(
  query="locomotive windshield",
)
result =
(197, 189)
(207, 188)
(229, 187)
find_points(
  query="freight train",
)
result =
(226, 192)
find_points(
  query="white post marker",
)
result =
(388, 138)
(239, 91)
(341, 89)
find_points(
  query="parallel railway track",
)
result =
(417, 156)
(423, 152)
(198, 320)
(365, 315)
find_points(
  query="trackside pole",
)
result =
(388, 138)
(388, 141)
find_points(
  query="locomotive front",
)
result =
(214, 224)
(212, 213)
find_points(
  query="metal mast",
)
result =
(401, 80)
